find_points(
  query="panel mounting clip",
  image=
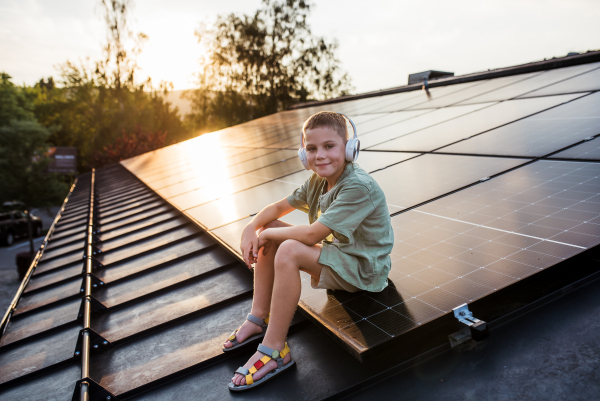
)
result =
(477, 329)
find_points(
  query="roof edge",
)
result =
(590, 56)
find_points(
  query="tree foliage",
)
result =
(261, 64)
(23, 146)
(96, 103)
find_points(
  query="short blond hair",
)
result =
(328, 119)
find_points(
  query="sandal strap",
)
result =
(273, 353)
(263, 361)
(233, 339)
(256, 320)
(242, 370)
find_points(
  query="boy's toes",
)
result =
(227, 344)
(239, 380)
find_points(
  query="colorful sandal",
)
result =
(256, 320)
(268, 355)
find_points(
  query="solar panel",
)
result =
(417, 123)
(429, 176)
(471, 91)
(372, 161)
(386, 120)
(394, 102)
(589, 150)
(239, 205)
(421, 99)
(538, 81)
(195, 178)
(589, 81)
(471, 124)
(540, 134)
(240, 183)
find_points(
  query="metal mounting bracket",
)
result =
(96, 284)
(477, 329)
(96, 391)
(98, 343)
(97, 306)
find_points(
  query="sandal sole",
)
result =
(267, 377)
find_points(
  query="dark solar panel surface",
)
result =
(426, 177)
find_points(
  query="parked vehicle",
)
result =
(13, 223)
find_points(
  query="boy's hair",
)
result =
(328, 119)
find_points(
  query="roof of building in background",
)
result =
(493, 185)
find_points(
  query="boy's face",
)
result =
(325, 151)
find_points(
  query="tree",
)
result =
(97, 103)
(261, 64)
(131, 144)
(23, 149)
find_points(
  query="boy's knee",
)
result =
(288, 251)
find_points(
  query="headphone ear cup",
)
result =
(303, 159)
(352, 149)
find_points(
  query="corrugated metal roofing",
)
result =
(490, 199)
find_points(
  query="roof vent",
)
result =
(431, 74)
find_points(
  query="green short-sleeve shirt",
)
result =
(356, 211)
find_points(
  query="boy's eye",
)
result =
(329, 146)
(310, 149)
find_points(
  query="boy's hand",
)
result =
(264, 243)
(249, 246)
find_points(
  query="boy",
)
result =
(345, 247)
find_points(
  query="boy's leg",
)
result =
(263, 288)
(291, 257)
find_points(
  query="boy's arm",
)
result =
(249, 244)
(308, 235)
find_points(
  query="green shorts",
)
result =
(330, 280)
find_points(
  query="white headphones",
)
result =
(352, 146)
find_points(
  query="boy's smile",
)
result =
(326, 153)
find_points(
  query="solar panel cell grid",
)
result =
(429, 176)
(423, 101)
(589, 150)
(417, 123)
(471, 91)
(240, 183)
(589, 81)
(538, 81)
(540, 134)
(471, 124)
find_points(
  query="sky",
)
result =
(380, 41)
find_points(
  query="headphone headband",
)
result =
(341, 114)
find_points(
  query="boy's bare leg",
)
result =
(291, 257)
(263, 288)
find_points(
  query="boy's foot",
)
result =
(247, 329)
(240, 380)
